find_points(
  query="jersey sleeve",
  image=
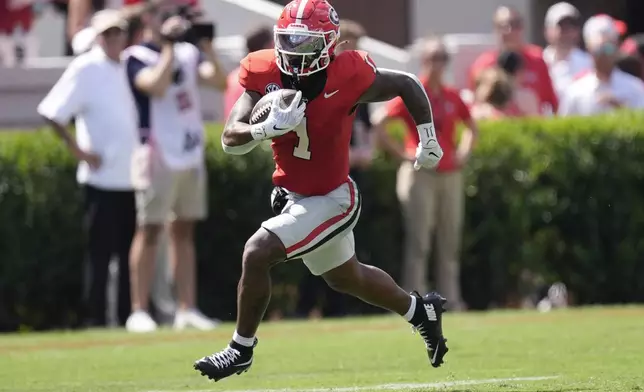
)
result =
(364, 71)
(255, 69)
(245, 74)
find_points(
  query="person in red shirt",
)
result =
(12, 18)
(258, 39)
(315, 202)
(432, 200)
(509, 24)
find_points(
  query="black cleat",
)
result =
(234, 359)
(427, 321)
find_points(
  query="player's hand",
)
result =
(281, 121)
(428, 155)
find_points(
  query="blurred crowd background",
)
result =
(478, 60)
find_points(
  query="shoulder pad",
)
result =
(256, 67)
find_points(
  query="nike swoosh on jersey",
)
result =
(279, 129)
(331, 94)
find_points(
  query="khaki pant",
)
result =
(164, 194)
(432, 203)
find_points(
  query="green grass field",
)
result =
(591, 349)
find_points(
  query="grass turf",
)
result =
(586, 349)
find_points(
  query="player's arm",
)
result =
(237, 138)
(240, 136)
(389, 84)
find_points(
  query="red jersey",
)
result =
(313, 159)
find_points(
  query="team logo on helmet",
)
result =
(333, 16)
(272, 87)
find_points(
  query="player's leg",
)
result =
(368, 283)
(306, 224)
(376, 287)
(261, 252)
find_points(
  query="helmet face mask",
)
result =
(302, 53)
(306, 35)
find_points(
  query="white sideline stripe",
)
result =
(384, 387)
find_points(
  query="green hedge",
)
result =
(562, 199)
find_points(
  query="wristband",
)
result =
(427, 133)
(258, 131)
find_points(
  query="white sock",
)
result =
(246, 342)
(412, 309)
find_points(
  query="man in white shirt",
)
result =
(564, 58)
(170, 174)
(94, 89)
(605, 87)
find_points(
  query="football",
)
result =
(263, 107)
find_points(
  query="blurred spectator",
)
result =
(633, 48)
(605, 87)
(258, 39)
(509, 27)
(493, 96)
(316, 297)
(563, 56)
(83, 41)
(433, 200)
(78, 13)
(524, 100)
(362, 139)
(95, 90)
(169, 170)
(631, 64)
(620, 26)
(16, 39)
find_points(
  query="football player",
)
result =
(316, 203)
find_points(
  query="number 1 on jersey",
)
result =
(301, 150)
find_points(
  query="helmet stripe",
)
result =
(300, 11)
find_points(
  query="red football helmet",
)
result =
(306, 35)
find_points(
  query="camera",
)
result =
(197, 31)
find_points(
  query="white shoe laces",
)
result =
(423, 333)
(225, 358)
